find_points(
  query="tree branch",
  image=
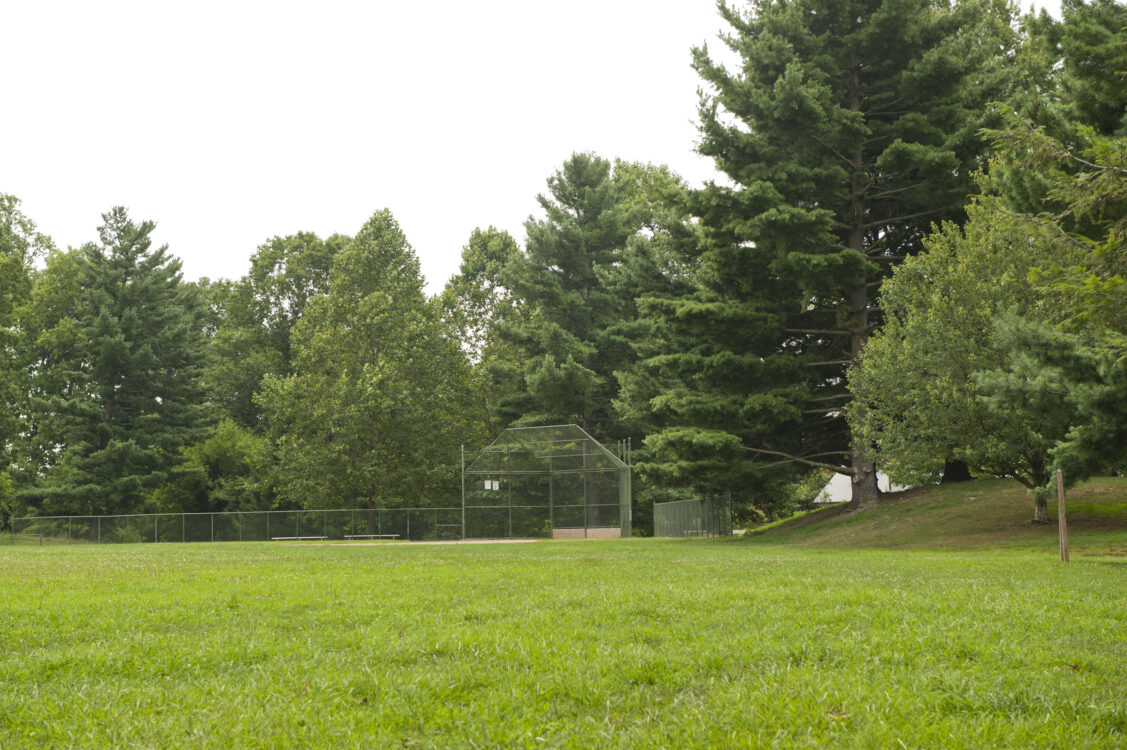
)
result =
(886, 193)
(847, 470)
(832, 150)
(898, 219)
(823, 331)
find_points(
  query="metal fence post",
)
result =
(212, 517)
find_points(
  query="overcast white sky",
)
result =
(230, 122)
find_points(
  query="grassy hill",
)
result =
(987, 513)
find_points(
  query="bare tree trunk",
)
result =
(866, 493)
(1040, 510)
(1039, 478)
(955, 471)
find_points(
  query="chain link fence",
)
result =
(553, 481)
(415, 524)
(710, 516)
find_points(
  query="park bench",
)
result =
(295, 538)
(371, 536)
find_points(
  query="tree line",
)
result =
(913, 261)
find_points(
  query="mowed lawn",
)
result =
(631, 643)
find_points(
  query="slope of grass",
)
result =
(631, 643)
(989, 513)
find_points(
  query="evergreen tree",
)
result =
(1080, 168)
(848, 129)
(568, 361)
(130, 395)
(1093, 46)
(1004, 343)
(575, 320)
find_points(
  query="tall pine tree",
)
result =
(848, 128)
(575, 287)
(567, 372)
(125, 397)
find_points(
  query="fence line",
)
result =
(710, 516)
(402, 523)
(415, 524)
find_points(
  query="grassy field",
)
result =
(985, 514)
(633, 643)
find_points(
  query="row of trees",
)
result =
(913, 262)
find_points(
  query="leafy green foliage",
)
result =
(475, 305)
(378, 399)
(20, 246)
(476, 299)
(50, 337)
(918, 387)
(256, 316)
(1084, 208)
(1093, 45)
(227, 471)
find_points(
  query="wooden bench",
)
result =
(295, 538)
(371, 536)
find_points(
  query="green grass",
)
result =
(632, 643)
(985, 514)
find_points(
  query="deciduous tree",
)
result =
(940, 380)
(378, 398)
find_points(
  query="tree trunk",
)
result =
(1040, 510)
(865, 493)
(372, 516)
(955, 471)
(1039, 477)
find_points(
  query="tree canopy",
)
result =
(913, 259)
(125, 355)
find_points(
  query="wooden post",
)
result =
(1062, 521)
